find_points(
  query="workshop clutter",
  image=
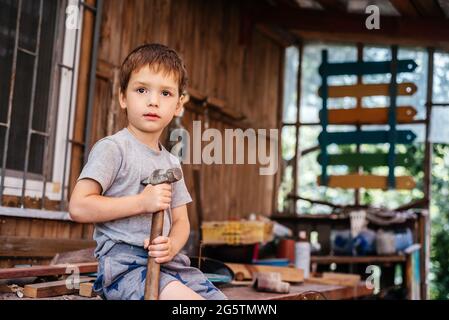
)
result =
(237, 232)
(360, 240)
(370, 242)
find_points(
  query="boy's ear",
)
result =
(122, 99)
(180, 105)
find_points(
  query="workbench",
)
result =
(303, 291)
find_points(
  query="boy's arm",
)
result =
(87, 205)
(163, 249)
(180, 229)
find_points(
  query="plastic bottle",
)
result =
(302, 254)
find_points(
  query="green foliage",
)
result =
(439, 256)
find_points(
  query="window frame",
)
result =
(59, 104)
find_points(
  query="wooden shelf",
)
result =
(354, 260)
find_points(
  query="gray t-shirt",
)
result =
(119, 163)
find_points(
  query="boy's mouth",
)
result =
(151, 116)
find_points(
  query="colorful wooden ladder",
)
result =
(366, 116)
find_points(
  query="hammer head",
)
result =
(160, 176)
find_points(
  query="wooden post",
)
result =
(358, 108)
(298, 121)
(427, 176)
(278, 177)
(77, 150)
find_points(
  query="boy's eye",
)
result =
(166, 93)
(142, 90)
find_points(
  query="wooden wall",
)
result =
(36, 241)
(246, 77)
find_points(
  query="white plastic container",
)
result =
(302, 254)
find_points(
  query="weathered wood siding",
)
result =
(245, 77)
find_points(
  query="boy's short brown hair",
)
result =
(156, 56)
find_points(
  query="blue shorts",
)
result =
(122, 274)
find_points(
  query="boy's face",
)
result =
(151, 100)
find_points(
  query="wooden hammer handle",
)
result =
(153, 268)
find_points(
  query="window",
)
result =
(300, 134)
(38, 65)
(23, 84)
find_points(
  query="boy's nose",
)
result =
(153, 99)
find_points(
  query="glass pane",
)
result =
(28, 25)
(8, 13)
(21, 112)
(418, 77)
(41, 103)
(311, 103)
(290, 84)
(285, 188)
(288, 142)
(441, 78)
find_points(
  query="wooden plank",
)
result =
(245, 271)
(372, 89)
(53, 288)
(404, 114)
(303, 291)
(86, 290)
(342, 279)
(361, 259)
(77, 256)
(365, 137)
(54, 270)
(357, 181)
(352, 25)
(34, 213)
(365, 67)
(44, 247)
(366, 160)
(336, 275)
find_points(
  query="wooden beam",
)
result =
(280, 36)
(422, 31)
(38, 271)
(332, 5)
(405, 8)
(53, 288)
(77, 151)
(428, 8)
(39, 247)
(374, 39)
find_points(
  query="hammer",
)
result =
(157, 222)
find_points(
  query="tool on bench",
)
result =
(157, 222)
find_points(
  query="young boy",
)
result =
(109, 193)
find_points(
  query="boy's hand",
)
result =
(161, 249)
(156, 198)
